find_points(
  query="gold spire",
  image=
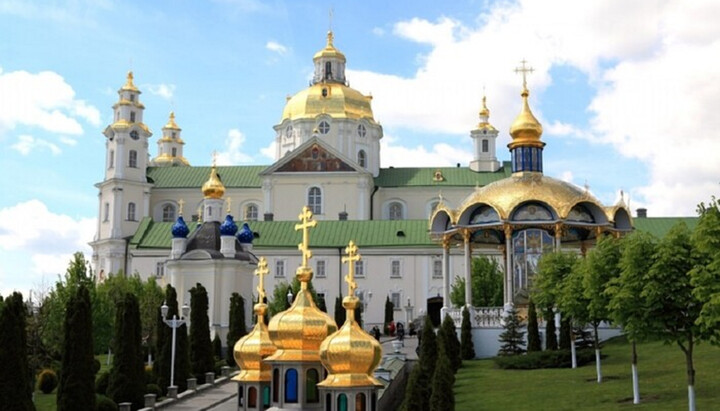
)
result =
(330, 50)
(129, 85)
(350, 355)
(484, 112)
(213, 187)
(526, 129)
(171, 122)
(251, 350)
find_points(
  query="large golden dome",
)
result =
(526, 129)
(350, 354)
(298, 332)
(333, 99)
(252, 349)
(213, 187)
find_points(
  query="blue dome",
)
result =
(245, 235)
(180, 229)
(228, 227)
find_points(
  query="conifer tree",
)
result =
(77, 377)
(413, 400)
(160, 342)
(15, 382)
(201, 353)
(418, 388)
(127, 376)
(442, 397)
(532, 329)
(452, 345)
(565, 333)
(467, 348)
(389, 315)
(217, 347)
(322, 305)
(551, 342)
(340, 312)
(182, 358)
(512, 338)
(237, 328)
(358, 315)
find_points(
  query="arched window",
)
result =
(111, 160)
(132, 116)
(485, 148)
(311, 389)
(328, 70)
(106, 212)
(395, 211)
(276, 385)
(291, 385)
(131, 212)
(528, 246)
(484, 214)
(132, 160)
(266, 397)
(532, 212)
(252, 397)
(362, 158)
(314, 200)
(174, 152)
(342, 404)
(328, 402)
(360, 402)
(168, 213)
(251, 212)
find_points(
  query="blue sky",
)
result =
(625, 93)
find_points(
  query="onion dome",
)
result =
(129, 84)
(228, 227)
(180, 229)
(171, 124)
(484, 115)
(213, 188)
(350, 355)
(329, 51)
(252, 349)
(526, 129)
(245, 235)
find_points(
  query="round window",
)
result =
(288, 132)
(134, 135)
(324, 127)
(361, 130)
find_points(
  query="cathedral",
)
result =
(419, 227)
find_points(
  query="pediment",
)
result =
(313, 156)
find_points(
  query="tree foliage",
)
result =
(551, 342)
(532, 329)
(127, 376)
(389, 315)
(602, 266)
(442, 397)
(15, 376)
(340, 313)
(512, 339)
(201, 351)
(467, 348)
(279, 301)
(419, 389)
(486, 281)
(705, 276)
(237, 328)
(182, 358)
(450, 340)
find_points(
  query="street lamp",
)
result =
(290, 296)
(173, 323)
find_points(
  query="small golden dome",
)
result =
(298, 332)
(350, 355)
(329, 51)
(213, 188)
(129, 85)
(252, 349)
(526, 129)
(484, 112)
(171, 122)
(333, 99)
(484, 115)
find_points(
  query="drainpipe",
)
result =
(372, 196)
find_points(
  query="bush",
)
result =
(104, 403)
(150, 375)
(101, 383)
(153, 389)
(47, 381)
(96, 366)
(543, 359)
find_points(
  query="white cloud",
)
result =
(269, 151)
(276, 47)
(68, 141)
(567, 176)
(163, 90)
(378, 31)
(42, 100)
(233, 153)
(441, 154)
(27, 143)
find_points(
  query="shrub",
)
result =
(101, 383)
(104, 403)
(153, 389)
(543, 359)
(47, 381)
(96, 366)
(150, 375)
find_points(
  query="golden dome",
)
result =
(506, 194)
(329, 51)
(213, 188)
(484, 112)
(298, 332)
(350, 355)
(129, 85)
(252, 349)
(333, 99)
(171, 122)
(165, 158)
(526, 129)
(484, 115)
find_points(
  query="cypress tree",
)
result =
(413, 393)
(127, 376)
(512, 338)
(467, 348)
(159, 341)
(77, 375)
(340, 312)
(532, 329)
(418, 388)
(442, 397)
(322, 305)
(201, 354)
(237, 329)
(452, 345)
(217, 347)
(551, 342)
(182, 359)
(358, 315)
(389, 315)
(565, 331)
(15, 378)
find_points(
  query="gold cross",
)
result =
(181, 203)
(352, 257)
(524, 70)
(229, 205)
(306, 224)
(199, 214)
(214, 158)
(330, 17)
(261, 271)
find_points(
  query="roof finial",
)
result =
(261, 272)
(229, 205)
(330, 17)
(524, 70)
(181, 203)
(214, 158)
(305, 226)
(352, 257)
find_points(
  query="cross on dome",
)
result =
(181, 203)
(229, 205)
(524, 70)
(305, 226)
(352, 257)
(261, 271)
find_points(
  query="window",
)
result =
(252, 397)
(174, 152)
(328, 70)
(320, 268)
(362, 158)
(276, 385)
(159, 270)
(131, 212)
(280, 268)
(324, 127)
(311, 390)
(251, 212)
(361, 130)
(111, 160)
(288, 132)
(431, 207)
(291, 385)
(360, 402)
(315, 200)
(132, 97)
(360, 268)
(395, 211)
(395, 299)
(485, 146)
(168, 213)
(106, 212)
(132, 161)
(395, 269)
(342, 403)
(437, 268)
(132, 116)
(134, 135)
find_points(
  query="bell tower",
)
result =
(484, 137)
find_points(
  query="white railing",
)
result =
(480, 317)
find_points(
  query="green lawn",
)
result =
(47, 402)
(662, 382)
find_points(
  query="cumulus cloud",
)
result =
(27, 144)
(43, 100)
(269, 151)
(441, 154)
(163, 90)
(233, 153)
(276, 47)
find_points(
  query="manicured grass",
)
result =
(481, 386)
(48, 402)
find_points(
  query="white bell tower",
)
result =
(484, 137)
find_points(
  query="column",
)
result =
(558, 236)
(508, 264)
(446, 271)
(468, 267)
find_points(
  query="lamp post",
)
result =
(289, 296)
(173, 323)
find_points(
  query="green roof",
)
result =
(659, 226)
(452, 176)
(194, 177)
